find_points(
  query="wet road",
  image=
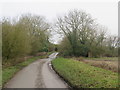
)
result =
(37, 75)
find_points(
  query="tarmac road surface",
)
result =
(37, 75)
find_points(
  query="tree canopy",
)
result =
(85, 36)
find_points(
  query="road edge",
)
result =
(62, 78)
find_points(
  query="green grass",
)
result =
(81, 75)
(8, 73)
(103, 58)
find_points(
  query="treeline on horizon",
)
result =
(82, 36)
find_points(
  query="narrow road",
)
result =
(37, 75)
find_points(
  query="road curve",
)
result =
(37, 75)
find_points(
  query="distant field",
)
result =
(109, 63)
(103, 58)
(81, 75)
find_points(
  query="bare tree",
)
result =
(76, 26)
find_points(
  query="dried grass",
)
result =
(108, 65)
(105, 64)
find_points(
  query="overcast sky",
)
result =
(104, 11)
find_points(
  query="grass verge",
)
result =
(8, 73)
(81, 75)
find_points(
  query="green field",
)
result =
(81, 75)
(7, 73)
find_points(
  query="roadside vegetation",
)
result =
(81, 75)
(24, 36)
